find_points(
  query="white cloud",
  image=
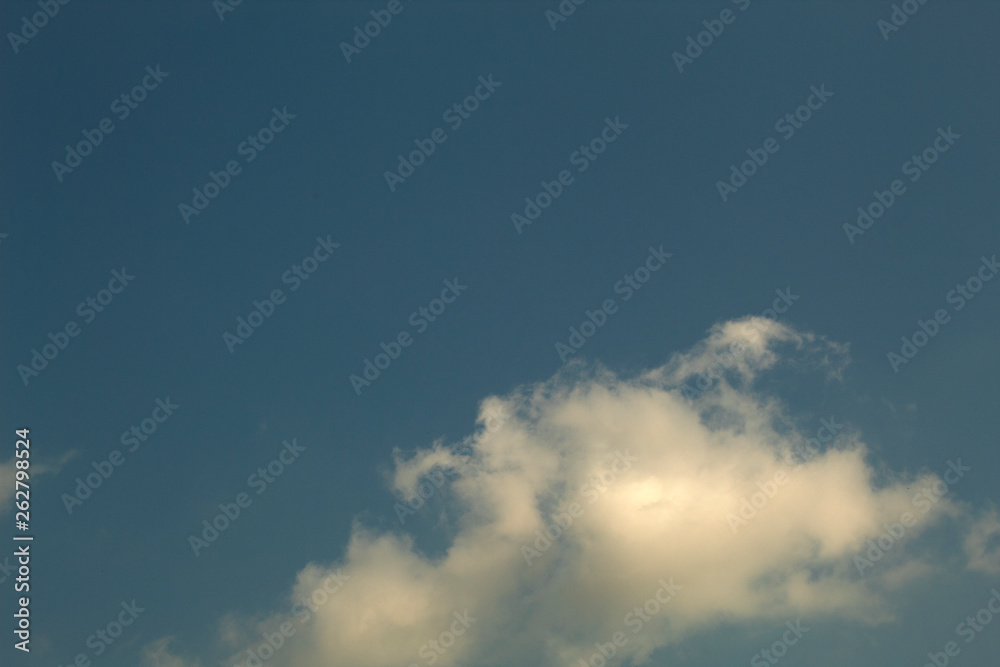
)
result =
(8, 482)
(982, 542)
(663, 517)
(158, 654)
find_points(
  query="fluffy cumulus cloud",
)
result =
(652, 506)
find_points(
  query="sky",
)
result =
(483, 334)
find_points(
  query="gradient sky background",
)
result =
(323, 175)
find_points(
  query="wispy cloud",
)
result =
(36, 468)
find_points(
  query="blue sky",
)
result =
(328, 130)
